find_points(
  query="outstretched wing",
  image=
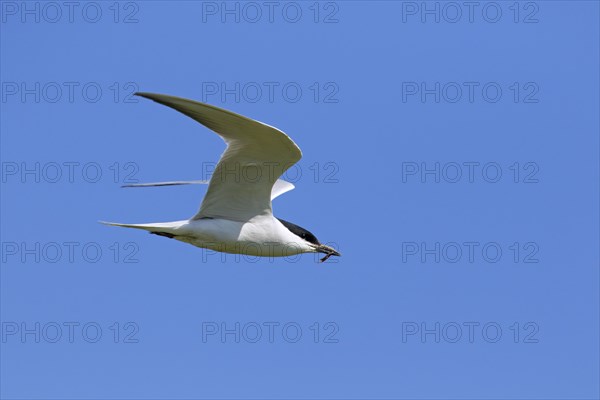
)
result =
(256, 156)
(280, 187)
(170, 183)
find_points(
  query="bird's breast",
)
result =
(262, 236)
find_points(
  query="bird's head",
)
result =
(311, 240)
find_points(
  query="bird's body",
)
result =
(263, 236)
(236, 214)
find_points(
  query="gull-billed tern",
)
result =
(236, 214)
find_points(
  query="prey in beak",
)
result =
(328, 251)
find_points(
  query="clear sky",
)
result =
(450, 152)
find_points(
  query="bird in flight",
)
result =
(236, 214)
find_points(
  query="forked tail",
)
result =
(167, 229)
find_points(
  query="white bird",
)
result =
(236, 214)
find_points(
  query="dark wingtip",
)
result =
(163, 99)
(145, 94)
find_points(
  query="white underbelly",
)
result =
(263, 238)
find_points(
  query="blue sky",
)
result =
(450, 152)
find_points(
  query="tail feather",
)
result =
(147, 227)
(158, 228)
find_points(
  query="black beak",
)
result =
(328, 251)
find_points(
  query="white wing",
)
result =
(280, 187)
(256, 156)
